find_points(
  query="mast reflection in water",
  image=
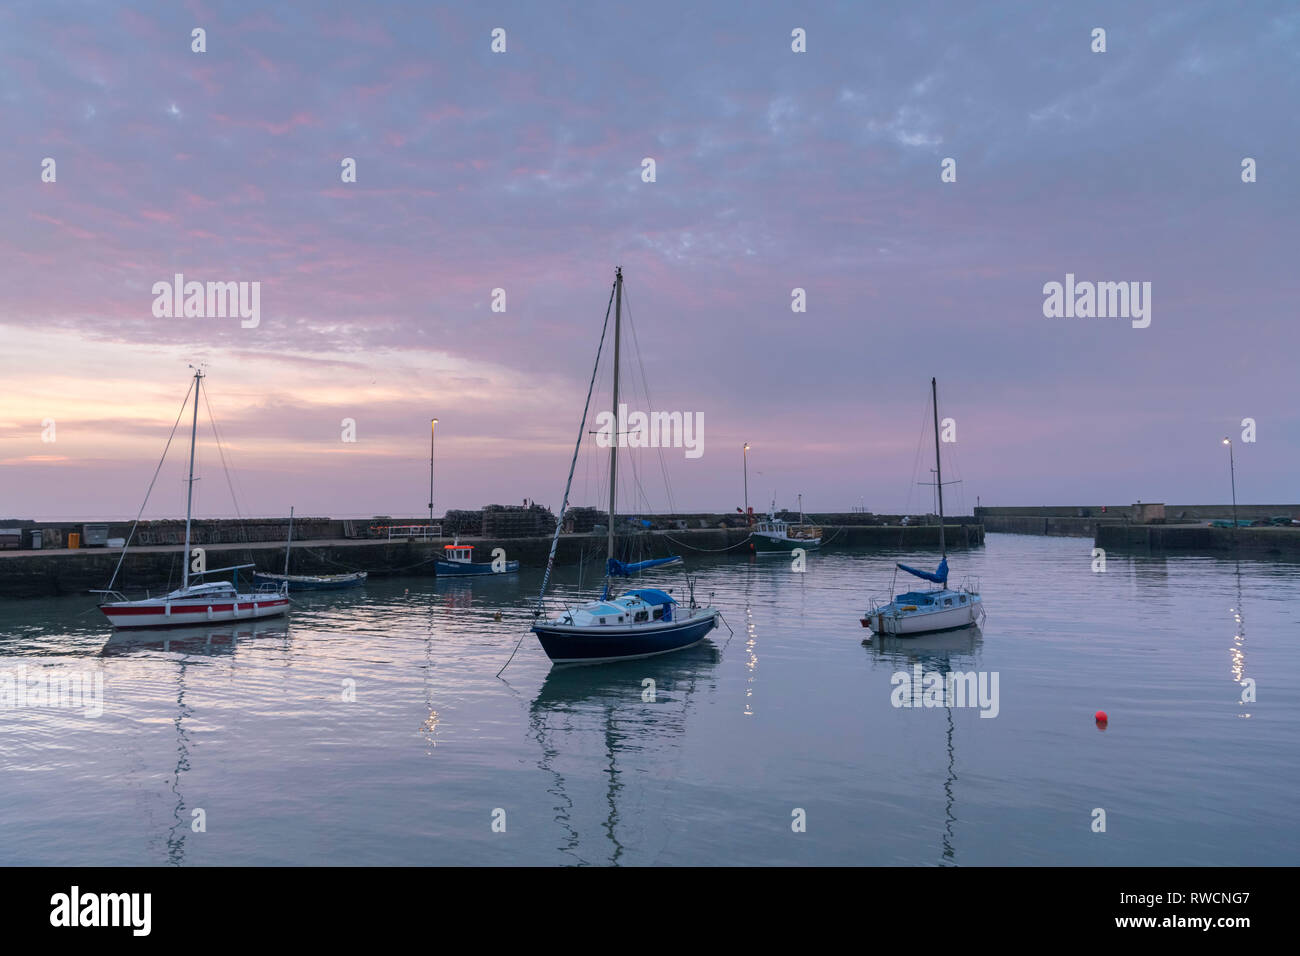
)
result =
(611, 721)
(186, 643)
(943, 654)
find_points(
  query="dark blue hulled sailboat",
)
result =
(638, 623)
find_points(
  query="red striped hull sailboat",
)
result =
(217, 601)
(199, 603)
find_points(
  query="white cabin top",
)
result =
(208, 589)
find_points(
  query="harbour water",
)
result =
(252, 732)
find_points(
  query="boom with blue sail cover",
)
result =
(621, 569)
(939, 576)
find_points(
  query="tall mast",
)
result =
(189, 493)
(938, 470)
(613, 448)
(288, 543)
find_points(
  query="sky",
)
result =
(522, 170)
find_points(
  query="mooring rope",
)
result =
(683, 544)
(833, 536)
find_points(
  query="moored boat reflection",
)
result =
(193, 639)
(632, 711)
(941, 654)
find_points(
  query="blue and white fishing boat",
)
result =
(458, 561)
(941, 608)
(638, 623)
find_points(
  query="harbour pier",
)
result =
(392, 547)
(1155, 526)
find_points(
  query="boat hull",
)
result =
(565, 644)
(882, 621)
(765, 545)
(462, 569)
(297, 582)
(134, 615)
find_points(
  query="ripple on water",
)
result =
(369, 726)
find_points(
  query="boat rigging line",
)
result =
(573, 462)
(127, 544)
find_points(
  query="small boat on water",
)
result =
(642, 622)
(198, 603)
(458, 560)
(776, 536)
(927, 612)
(308, 582)
(313, 582)
(938, 609)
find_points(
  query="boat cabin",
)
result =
(211, 589)
(460, 553)
(779, 528)
(644, 605)
(935, 599)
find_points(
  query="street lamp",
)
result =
(1232, 471)
(433, 426)
(746, 457)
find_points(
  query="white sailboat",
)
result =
(193, 603)
(938, 609)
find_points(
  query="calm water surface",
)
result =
(250, 725)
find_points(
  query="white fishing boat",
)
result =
(211, 601)
(938, 609)
(641, 622)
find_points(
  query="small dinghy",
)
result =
(313, 582)
(307, 582)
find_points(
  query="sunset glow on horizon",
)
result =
(523, 172)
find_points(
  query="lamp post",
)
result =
(746, 457)
(1232, 472)
(433, 427)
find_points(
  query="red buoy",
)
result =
(1102, 720)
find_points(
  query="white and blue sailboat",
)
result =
(938, 609)
(641, 622)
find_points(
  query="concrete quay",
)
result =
(28, 573)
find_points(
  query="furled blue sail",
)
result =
(654, 596)
(940, 575)
(619, 569)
